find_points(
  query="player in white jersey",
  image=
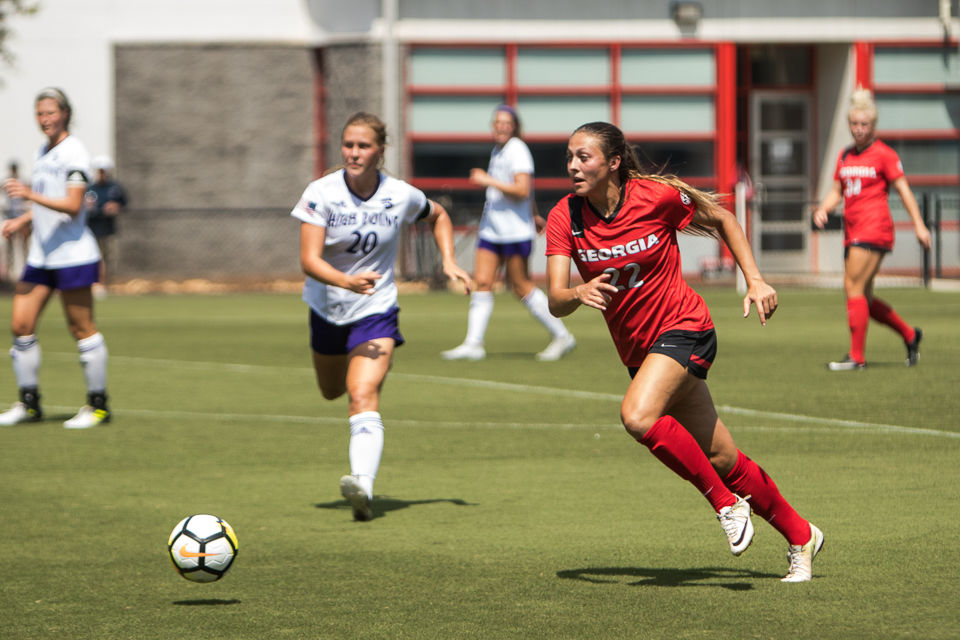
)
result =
(350, 228)
(63, 256)
(507, 229)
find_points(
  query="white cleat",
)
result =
(87, 417)
(736, 523)
(801, 557)
(847, 364)
(465, 352)
(359, 500)
(557, 348)
(18, 413)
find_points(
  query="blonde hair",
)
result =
(613, 143)
(862, 100)
(58, 96)
(369, 120)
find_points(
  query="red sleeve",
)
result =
(892, 167)
(836, 172)
(559, 238)
(678, 207)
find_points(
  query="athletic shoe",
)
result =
(847, 364)
(913, 348)
(465, 352)
(557, 348)
(87, 417)
(801, 557)
(359, 500)
(736, 523)
(18, 413)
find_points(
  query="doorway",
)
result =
(776, 89)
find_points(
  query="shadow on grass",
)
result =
(47, 419)
(724, 577)
(875, 364)
(384, 504)
(206, 602)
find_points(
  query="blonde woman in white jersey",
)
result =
(507, 229)
(63, 256)
(351, 224)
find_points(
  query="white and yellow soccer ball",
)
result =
(202, 547)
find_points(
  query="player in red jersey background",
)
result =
(620, 229)
(865, 172)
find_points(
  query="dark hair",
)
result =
(513, 114)
(58, 96)
(613, 143)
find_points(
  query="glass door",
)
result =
(780, 133)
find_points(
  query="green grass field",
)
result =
(510, 503)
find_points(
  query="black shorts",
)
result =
(695, 350)
(864, 245)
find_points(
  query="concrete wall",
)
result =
(215, 144)
(351, 80)
(226, 126)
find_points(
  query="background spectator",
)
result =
(105, 199)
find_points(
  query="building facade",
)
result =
(218, 121)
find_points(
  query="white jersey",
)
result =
(507, 219)
(59, 240)
(362, 235)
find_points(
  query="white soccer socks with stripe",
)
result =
(366, 448)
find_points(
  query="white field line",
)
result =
(832, 423)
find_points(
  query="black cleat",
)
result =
(913, 347)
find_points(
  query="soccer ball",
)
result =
(202, 547)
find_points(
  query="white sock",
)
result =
(93, 359)
(366, 448)
(539, 307)
(481, 308)
(25, 354)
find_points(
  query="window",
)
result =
(667, 68)
(663, 98)
(919, 117)
(556, 67)
(457, 67)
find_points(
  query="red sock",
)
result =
(675, 447)
(858, 315)
(884, 314)
(747, 478)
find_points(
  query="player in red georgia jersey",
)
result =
(619, 227)
(865, 172)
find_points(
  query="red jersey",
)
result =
(866, 177)
(638, 248)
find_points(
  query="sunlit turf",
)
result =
(510, 503)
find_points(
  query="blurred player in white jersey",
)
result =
(351, 223)
(63, 256)
(507, 229)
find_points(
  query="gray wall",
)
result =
(351, 81)
(214, 125)
(215, 144)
